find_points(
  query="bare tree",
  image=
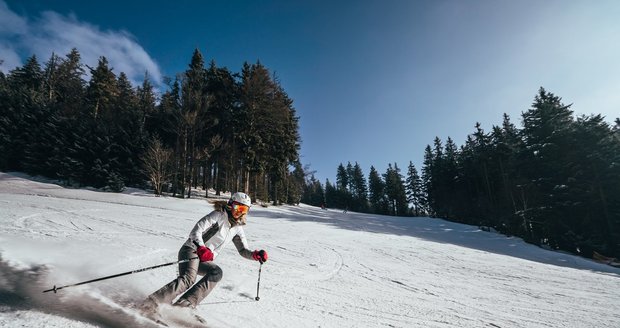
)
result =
(156, 163)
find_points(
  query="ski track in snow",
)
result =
(326, 268)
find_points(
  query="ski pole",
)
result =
(258, 284)
(55, 289)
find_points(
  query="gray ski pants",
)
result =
(187, 277)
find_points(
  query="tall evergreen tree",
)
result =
(593, 221)
(449, 178)
(166, 124)
(503, 148)
(103, 144)
(102, 91)
(314, 193)
(376, 192)
(256, 91)
(395, 191)
(546, 128)
(146, 101)
(5, 122)
(295, 185)
(193, 111)
(165, 120)
(413, 189)
(127, 137)
(331, 194)
(428, 181)
(359, 190)
(342, 178)
(70, 86)
(342, 197)
(223, 91)
(283, 141)
(23, 112)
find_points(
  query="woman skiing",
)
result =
(210, 234)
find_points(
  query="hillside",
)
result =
(325, 269)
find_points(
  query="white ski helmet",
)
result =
(241, 198)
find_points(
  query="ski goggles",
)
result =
(239, 209)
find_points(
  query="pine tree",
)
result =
(70, 86)
(395, 191)
(469, 184)
(350, 184)
(127, 137)
(359, 189)
(223, 92)
(593, 221)
(449, 178)
(342, 197)
(331, 194)
(414, 190)
(270, 141)
(51, 78)
(256, 91)
(5, 121)
(342, 178)
(314, 193)
(102, 92)
(427, 180)
(295, 185)
(283, 150)
(46, 140)
(98, 150)
(146, 101)
(376, 191)
(507, 145)
(23, 114)
(194, 106)
(545, 129)
(164, 121)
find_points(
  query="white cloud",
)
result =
(8, 58)
(55, 33)
(11, 23)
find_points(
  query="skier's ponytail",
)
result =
(219, 205)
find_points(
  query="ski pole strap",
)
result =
(56, 289)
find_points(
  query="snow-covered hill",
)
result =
(326, 268)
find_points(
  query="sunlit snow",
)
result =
(326, 268)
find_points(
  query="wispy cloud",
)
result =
(21, 37)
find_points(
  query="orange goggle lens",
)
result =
(240, 209)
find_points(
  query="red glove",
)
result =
(260, 256)
(204, 254)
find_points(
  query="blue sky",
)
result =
(373, 82)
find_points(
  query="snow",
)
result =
(326, 268)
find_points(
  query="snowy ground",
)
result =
(326, 268)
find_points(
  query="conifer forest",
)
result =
(554, 181)
(213, 128)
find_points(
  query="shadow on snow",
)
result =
(435, 230)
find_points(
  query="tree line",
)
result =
(212, 128)
(554, 182)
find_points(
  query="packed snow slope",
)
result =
(326, 268)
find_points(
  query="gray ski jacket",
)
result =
(215, 230)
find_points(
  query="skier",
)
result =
(210, 234)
